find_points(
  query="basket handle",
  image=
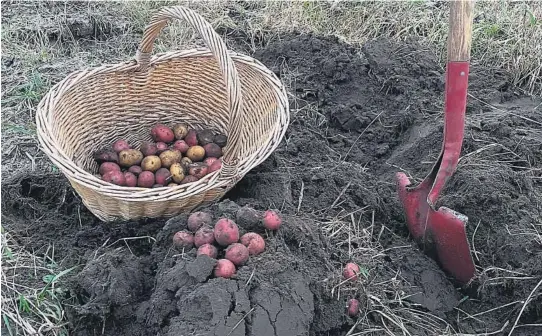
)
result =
(217, 47)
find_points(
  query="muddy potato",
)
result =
(195, 153)
(204, 137)
(162, 176)
(130, 157)
(212, 150)
(220, 139)
(106, 155)
(151, 163)
(170, 157)
(180, 131)
(198, 170)
(185, 163)
(177, 172)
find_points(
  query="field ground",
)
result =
(365, 82)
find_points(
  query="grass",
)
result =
(43, 42)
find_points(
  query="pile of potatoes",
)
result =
(177, 155)
(224, 235)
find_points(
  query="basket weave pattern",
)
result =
(205, 87)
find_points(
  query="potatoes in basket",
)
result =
(130, 157)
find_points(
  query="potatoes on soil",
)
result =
(208, 250)
(183, 239)
(224, 269)
(226, 232)
(195, 153)
(205, 235)
(151, 163)
(170, 157)
(237, 253)
(130, 157)
(177, 172)
(198, 219)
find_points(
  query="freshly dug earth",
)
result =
(358, 116)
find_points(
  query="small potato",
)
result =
(130, 157)
(254, 242)
(224, 269)
(204, 235)
(220, 140)
(151, 163)
(170, 157)
(352, 308)
(177, 172)
(189, 179)
(215, 166)
(181, 146)
(115, 177)
(145, 179)
(208, 250)
(148, 149)
(195, 153)
(106, 155)
(180, 131)
(191, 138)
(271, 220)
(226, 232)
(186, 162)
(162, 176)
(161, 147)
(204, 137)
(183, 239)
(131, 179)
(198, 170)
(351, 271)
(108, 166)
(120, 145)
(209, 161)
(136, 170)
(212, 150)
(237, 254)
(198, 219)
(162, 133)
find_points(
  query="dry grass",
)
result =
(42, 43)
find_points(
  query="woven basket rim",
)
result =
(136, 194)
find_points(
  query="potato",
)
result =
(195, 153)
(130, 157)
(353, 307)
(215, 166)
(186, 162)
(204, 137)
(145, 179)
(224, 269)
(237, 254)
(108, 166)
(120, 145)
(162, 133)
(220, 139)
(226, 232)
(162, 176)
(181, 146)
(170, 157)
(189, 179)
(209, 161)
(198, 219)
(180, 131)
(115, 177)
(151, 163)
(254, 242)
(198, 170)
(191, 138)
(148, 149)
(351, 271)
(177, 172)
(161, 147)
(136, 170)
(183, 239)
(106, 155)
(271, 220)
(131, 179)
(212, 150)
(208, 250)
(204, 235)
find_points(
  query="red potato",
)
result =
(131, 179)
(352, 308)
(136, 170)
(191, 138)
(226, 232)
(183, 239)
(181, 146)
(254, 243)
(209, 161)
(162, 176)
(120, 145)
(189, 179)
(208, 250)
(115, 177)
(205, 235)
(198, 219)
(161, 147)
(198, 171)
(107, 167)
(215, 166)
(271, 220)
(162, 133)
(351, 271)
(148, 149)
(212, 150)
(106, 155)
(237, 253)
(145, 179)
(224, 269)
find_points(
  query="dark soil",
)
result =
(358, 117)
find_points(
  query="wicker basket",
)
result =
(214, 88)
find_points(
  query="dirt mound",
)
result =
(358, 116)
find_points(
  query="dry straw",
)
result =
(205, 87)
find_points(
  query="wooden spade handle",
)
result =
(460, 28)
